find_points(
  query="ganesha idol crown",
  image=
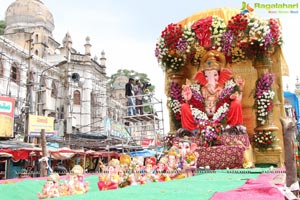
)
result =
(213, 60)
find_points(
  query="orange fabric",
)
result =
(187, 119)
(234, 116)
(225, 13)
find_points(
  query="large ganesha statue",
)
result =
(215, 97)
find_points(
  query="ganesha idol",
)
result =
(187, 156)
(149, 172)
(51, 187)
(76, 183)
(109, 180)
(215, 96)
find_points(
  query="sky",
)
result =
(127, 30)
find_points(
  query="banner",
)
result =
(114, 128)
(7, 108)
(118, 129)
(37, 123)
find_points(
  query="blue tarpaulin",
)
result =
(144, 153)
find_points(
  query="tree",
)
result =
(140, 76)
(132, 74)
(2, 26)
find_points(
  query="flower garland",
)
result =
(237, 26)
(211, 133)
(175, 100)
(245, 37)
(198, 52)
(264, 139)
(197, 102)
(210, 128)
(264, 96)
(218, 28)
(189, 36)
(202, 31)
(235, 38)
(171, 47)
(259, 36)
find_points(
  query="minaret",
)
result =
(103, 59)
(96, 58)
(67, 45)
(87, 48)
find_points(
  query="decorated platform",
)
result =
(224, 72)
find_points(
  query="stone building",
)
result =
(116, 98)
(48, 78)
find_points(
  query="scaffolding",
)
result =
(98, 106)
(146, 130)
(142, 131)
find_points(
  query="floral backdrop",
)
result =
(246, 36)
(264, 96)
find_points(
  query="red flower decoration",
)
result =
(275, 30)
(238, 25)
(203, 32)
(172, 34)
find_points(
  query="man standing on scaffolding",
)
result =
(138, 91)
(129, 95)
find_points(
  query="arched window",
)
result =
(1, 69)
(15, 73)
(76, 97)
(54, 90)
(36, 52)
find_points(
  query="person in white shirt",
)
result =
(138, 91)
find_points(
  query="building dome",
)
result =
(120, 82)
(23, 14)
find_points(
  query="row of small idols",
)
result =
(122, 172)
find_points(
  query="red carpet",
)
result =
(258, 189)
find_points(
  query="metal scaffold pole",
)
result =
(28, 104)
